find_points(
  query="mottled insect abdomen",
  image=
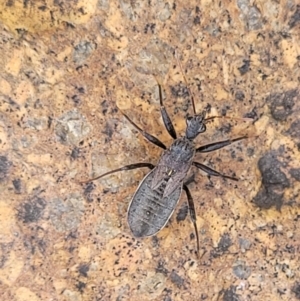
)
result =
(148, 211)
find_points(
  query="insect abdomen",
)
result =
(148, 211)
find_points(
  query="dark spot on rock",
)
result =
(245, 67)
(290, 249)
(105, 106)
(296, 289)
(294, 130)
(9, 3)
(32, 210)
(42, 245)
(274, 181)
(269, 167)
(80, 90)
(83, 269)
(295, 173)
(5, 250)
(17, 185)
(223, 246)
(208, 108)
(252, 114)
(197, 20)
(88, 191)
(155, 241)
(241, 270)
(176, 279)
(182, 213)
(230, 294)
(49, 122)
(281, 104)
(161, 268)
(21, 31)
(72, 235)
(75, 153)
(4, 167)
(105, 191)
(295, 19)
(224, 110)
(180, 90)
(76, 99)
(80, 286)
(150, 27)
(267, 197)
(225, 242)
(82, 51)
(244, 244)
(239, 95)
(38, 104)
(42, 7)
(109, 129)
(250, 151)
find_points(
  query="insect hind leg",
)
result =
(126, 167)
(192, 214)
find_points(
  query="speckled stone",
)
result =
(68, 69)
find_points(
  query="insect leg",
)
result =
(166, 119)
(212, 172)
(149, 137)
(192, 214)
(217, 145)
(126, 167)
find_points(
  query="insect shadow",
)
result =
(159, 192)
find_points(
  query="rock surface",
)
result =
(68, 69)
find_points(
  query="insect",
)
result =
(159, 192)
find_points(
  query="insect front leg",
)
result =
(212, 172)
(148, 136)
(192, 214)
(126, 167)
(165, 116)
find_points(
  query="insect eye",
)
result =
(189, 120)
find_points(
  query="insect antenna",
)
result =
(185, 81)
(245, 119)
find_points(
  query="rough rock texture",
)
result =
(68, 68)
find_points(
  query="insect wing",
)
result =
(175, 180)
(159, 174)
(149, 211)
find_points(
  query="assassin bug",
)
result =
(159, 192)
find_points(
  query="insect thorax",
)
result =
(181, 152)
